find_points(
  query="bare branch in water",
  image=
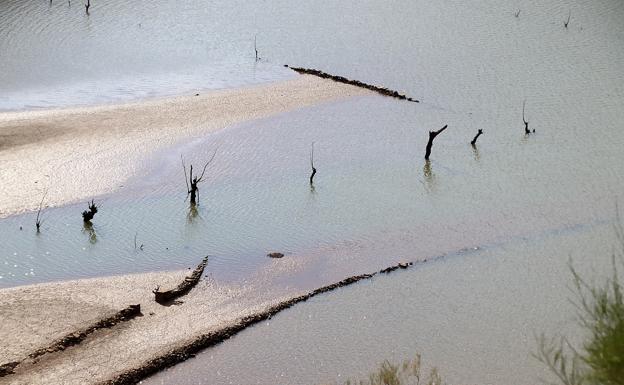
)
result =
(432, 135)
(312, 164)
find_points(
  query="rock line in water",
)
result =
(341, 79)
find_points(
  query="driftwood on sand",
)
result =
(163, 297)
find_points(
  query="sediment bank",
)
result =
(73, 338)
(163, 336)
(79, 153)
(205, 341)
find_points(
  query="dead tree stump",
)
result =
(192, 182)
(432, 135)
(88, 215)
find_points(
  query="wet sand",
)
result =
(79, 153)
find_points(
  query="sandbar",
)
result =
(79, 153)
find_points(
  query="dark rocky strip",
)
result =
(175, 356)
(341, 79)
(6, 369)
(75, 338)
(165, 297)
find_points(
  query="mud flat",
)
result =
(79, 153)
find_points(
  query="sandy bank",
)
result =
(35, 316)
(82, 152)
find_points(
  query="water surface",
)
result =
(375, 201)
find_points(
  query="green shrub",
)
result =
(600, 361)
(409, 372)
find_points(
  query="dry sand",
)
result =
(79, 153)
(34, 316)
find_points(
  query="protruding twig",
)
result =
(526, 123)
(517, 14)
(432, 135)
(312, 165)
(39, 220)
(565, 23)
(474, 140)
(256, 48)
(87, 6)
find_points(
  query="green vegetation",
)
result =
(600, 361)
(401, 374)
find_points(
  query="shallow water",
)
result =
(54, 54)
(473, 315)
(375, 200)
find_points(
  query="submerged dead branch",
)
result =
(88, 215)
(312, 165)
(38, 221)
(432, 135)
(565, 23)
(473, 142)
(192, 182)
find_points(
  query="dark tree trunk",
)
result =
(432, 135)
(87, 215)
(193, 194)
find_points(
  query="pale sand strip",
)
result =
(83, 152)
(34, 316)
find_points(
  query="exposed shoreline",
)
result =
(158, 338)
(79, 153)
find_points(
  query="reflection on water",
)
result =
(429, 176)
(88, 229)
(193, 213)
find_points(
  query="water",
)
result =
(375, 200)
(53, 54)
(475, 315)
